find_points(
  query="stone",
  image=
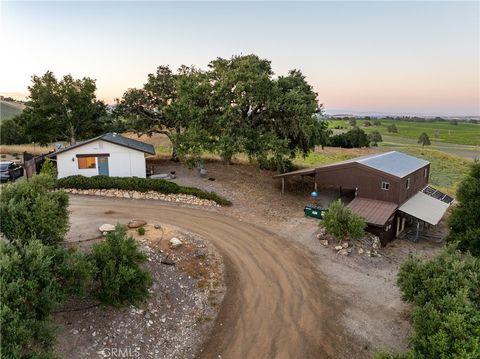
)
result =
(343, 252)
(345, 245)
(200, 253)
(337, 248)
(360, 251)
(137, 195)
(175, 242)
(157, 226)
(324, 242)
(107, 227)
(168, 261)
(135, 223)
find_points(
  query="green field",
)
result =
(442, 131)
(9, 110)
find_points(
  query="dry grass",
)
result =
(19, 149)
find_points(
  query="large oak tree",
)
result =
(65, 109)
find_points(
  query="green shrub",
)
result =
(118, 261)
(464, 221)
(141, 231)
(271, 164)
(49, 169)
(29, 291)
(28, 210)
(445, 293)
(340, 222)
(137, 184)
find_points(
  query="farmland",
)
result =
(442, 131)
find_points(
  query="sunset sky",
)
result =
(361, 57)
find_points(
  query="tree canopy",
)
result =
(235, 106)
(65, 109)
(424, 140)
(464, 221)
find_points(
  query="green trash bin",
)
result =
(314, 211)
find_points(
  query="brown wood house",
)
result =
(383, 183)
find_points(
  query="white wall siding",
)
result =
(122, 162)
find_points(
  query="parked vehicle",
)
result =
(10, 171)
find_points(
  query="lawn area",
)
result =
(442, 131)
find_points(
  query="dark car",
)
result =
(10, 171)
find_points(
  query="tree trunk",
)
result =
(72, 136)
(174, 157)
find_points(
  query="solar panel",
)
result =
(435, 193)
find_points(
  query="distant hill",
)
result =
(10, 109)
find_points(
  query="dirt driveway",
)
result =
(277, 304)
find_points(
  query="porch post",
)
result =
(418, 231)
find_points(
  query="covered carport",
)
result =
(310, 172)
(423, 207)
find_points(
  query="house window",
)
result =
(386, 186)
(425, 172)
(408, 183)
(86, 162)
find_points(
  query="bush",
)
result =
(29, 292)
(141, 231)
(374, 137)
(118, 261)
(355, 138)
(28, 210)
(340, 222)
(464, 221)
(48, 169)
(392, 128)
(271, 164)
(137, 184)
(445, 293)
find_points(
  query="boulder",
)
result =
(343, 252)
(337, 248)
(360, 251)
(135, 223)
(107, 227)
(324, 242)
(157, 226)
(345, 245)
(175, 242)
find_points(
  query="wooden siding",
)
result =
(368, 181)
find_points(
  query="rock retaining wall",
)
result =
(179, 198)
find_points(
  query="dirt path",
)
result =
(277, 304)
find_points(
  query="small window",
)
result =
(386, 186)
(86, 162)
(425, 172)
(408, 183)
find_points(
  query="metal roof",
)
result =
(395, 163)
(306, 171)
(116, 139)
(425, 208)
(375, 212)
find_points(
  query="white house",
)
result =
(108, 155)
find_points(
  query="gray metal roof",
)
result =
(116, 139)
(128, 142)
(395, 163)
(425, 208)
